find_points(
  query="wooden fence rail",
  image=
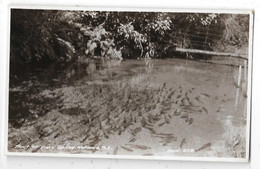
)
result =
(212, 53)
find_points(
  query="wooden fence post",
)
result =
(245, 70)
(239, 76)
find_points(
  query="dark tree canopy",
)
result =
(63, 36)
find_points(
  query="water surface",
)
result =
(145, 107)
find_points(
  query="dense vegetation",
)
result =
(63, 36)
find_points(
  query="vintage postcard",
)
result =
(129, 83)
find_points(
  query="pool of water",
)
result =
(144, 107)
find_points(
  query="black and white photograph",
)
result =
(130, 83)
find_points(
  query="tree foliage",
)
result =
(52, 35)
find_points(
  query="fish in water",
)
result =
(177, 112)
(167, 119)
(205, 110)
(184, 116)
(203, 147)
(115, 151)
(164, 85)
(161, 124)
(132, 140)
(127, 149)
(197, 98)
(148, 154)
(179, 96)
(206, 95)
(142, 147)
(183, 141)
(190, 121)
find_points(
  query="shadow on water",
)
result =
(25, 103)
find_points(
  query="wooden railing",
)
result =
(241, 56)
